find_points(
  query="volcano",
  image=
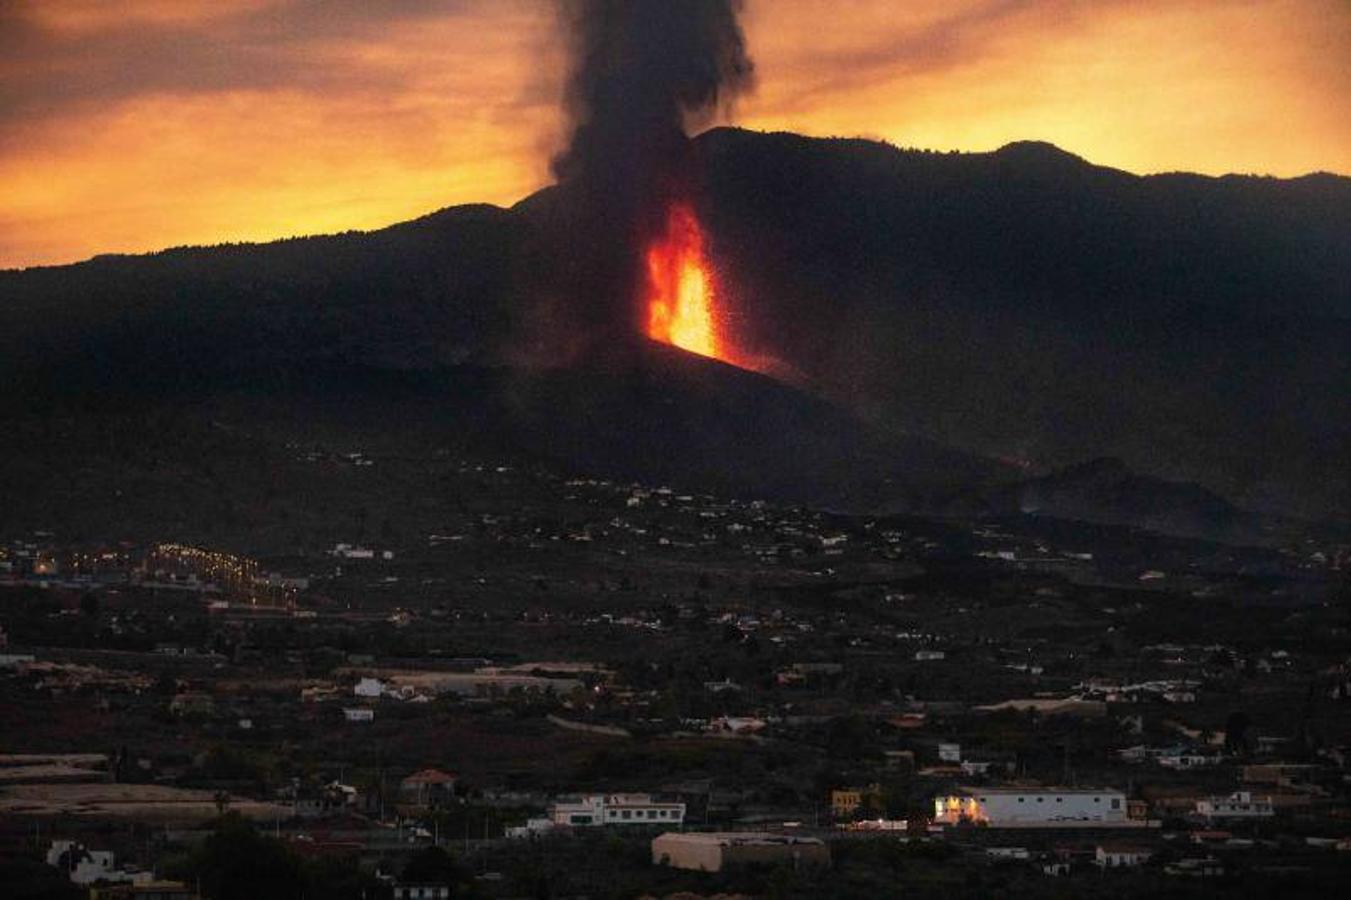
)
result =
(948, 321)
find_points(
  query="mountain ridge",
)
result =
(1021, 303)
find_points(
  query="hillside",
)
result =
(1021, 304)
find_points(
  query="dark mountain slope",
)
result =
(1026, 304)
(1107, 492)
(1021, 304)
(231, 458)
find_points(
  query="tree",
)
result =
(433, 865)
(24, 878)
(237, 863)
(1236, 734)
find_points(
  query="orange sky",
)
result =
(131, 126)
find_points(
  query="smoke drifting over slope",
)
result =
(642, 73)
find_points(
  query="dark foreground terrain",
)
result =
(198, 591)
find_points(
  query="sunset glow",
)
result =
(135, 126)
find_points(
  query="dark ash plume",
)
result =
(642, 73)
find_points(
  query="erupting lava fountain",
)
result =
(680, 293)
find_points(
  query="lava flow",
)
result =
(680, 289)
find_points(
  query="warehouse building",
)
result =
(713, 852)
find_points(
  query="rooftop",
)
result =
(736, 838)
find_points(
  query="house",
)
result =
(86, 867)
(1118, 856)
(846, 802)
(736, 725)
(1282, 774)
(421, 892)
(1196, 867)
(1020, 853)
(1032, 807)
(338, 794)
(950, 752)
(358, 714)
(929, 655)
(714, 852)
(533, 827)
(370, 688)
(1238, 805)
(428, 789)
(615, 809)
(1189, 760)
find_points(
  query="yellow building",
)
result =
(847, 802)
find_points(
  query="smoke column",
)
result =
(643, 73)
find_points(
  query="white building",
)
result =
(1032, 807)
(1238, 805)
(348, 551)
(1189, 760)
(359, 715)
(1117, 856)
(532, 828)
(949, 752)
(1008, 853)
(84, 866)
(615, 809)
(368, 687)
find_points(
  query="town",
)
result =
(564, 686)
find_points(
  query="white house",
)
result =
(531, 828)
(1008, 853)
(348, 551)
(1118, 856)
(84, 866)
(950, 752)
(369, 687)
(359, 715)
(615, 809)
(1032, 807)
(929, 655)
(1238, 805)
(1187, 760)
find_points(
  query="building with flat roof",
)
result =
(715, 851)
(615, 809)
(1238, 805)
(1023, 807)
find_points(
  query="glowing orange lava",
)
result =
(680, 292)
